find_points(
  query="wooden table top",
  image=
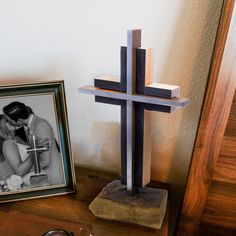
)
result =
(74, 207)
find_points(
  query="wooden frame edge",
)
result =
(220, 90)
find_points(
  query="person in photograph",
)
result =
(5, 169)
(14, 158)
(50, 161)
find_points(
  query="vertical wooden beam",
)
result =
(143, 136)
(217, 104)
(130, 148)
(133, 42)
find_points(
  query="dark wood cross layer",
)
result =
(136, 94)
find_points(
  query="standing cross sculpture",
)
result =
(136, 93)
(38, 176)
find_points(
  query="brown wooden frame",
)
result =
(218, 99)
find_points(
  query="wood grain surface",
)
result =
(216, 109)
(220, 207)
(74, 207)
(225, 170)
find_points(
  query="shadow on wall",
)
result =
(102, 134)
(187, 65)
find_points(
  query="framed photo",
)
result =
(35, 151)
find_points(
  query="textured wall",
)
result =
(76, 40)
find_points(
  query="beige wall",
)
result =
(77, 40)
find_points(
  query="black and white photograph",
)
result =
(33, 154)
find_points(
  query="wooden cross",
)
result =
(135, 93)
(38, 177)
(35, 150)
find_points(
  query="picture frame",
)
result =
(38, 163)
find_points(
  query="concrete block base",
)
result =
(147, 208)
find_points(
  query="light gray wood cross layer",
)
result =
(172, 102)
(133, 42)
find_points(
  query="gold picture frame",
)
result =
(47, 101)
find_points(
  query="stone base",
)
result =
(39, 180)
(147, 208)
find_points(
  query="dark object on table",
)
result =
(30, 224)
(58, 232)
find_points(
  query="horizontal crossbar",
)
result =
(175, 102)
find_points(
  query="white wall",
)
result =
(76, 40)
